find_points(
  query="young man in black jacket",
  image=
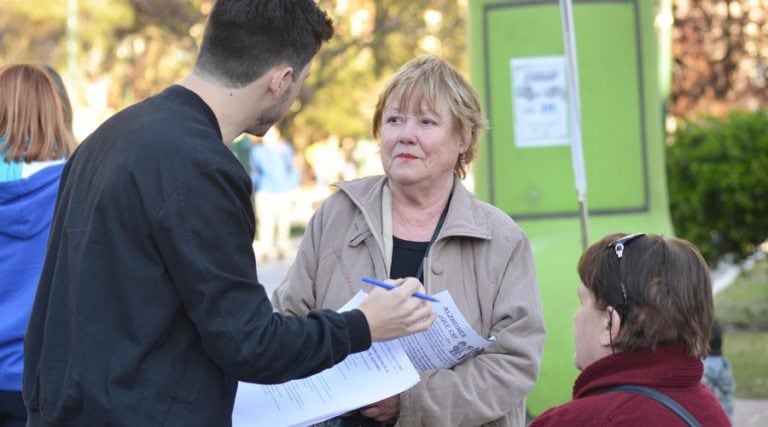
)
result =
(149, 309)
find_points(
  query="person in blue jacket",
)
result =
(275, 179)
(34, 143)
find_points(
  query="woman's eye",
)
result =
(428, 122)
(393, 119)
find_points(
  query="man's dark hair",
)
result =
(245, 38)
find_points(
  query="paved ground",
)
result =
(748, 413)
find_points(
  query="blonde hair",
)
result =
(31, 115)
(435, 80)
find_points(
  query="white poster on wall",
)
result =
(540, 101)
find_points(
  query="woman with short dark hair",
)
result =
(643, 325)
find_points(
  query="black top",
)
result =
(407, 256)
(149, 310)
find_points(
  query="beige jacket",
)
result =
(481, 256)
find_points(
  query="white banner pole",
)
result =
(577, 154)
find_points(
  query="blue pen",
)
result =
(385, 285)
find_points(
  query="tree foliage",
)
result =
(372, 39)
(32, 30)
(720, 50)
(718, 188)
(136, 46)
(140, 46)
(718, 157)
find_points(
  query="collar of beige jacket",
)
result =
(386, 225)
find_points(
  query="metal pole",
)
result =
(577, 154)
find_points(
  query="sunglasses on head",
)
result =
(618, 246)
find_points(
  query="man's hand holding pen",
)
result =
(395, 313)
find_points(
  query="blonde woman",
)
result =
(418, 220)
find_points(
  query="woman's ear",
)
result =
(465, 140)
(611, 327)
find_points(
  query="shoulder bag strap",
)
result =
(659, 397)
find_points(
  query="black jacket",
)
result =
(149, 310)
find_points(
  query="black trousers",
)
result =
(12, 410)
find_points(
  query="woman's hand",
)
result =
(383, 410)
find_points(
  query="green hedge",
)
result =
(717, 170)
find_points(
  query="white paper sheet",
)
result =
(361, 379)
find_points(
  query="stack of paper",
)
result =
(384, 370)
(361, 379)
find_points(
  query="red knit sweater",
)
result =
(667, 369)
